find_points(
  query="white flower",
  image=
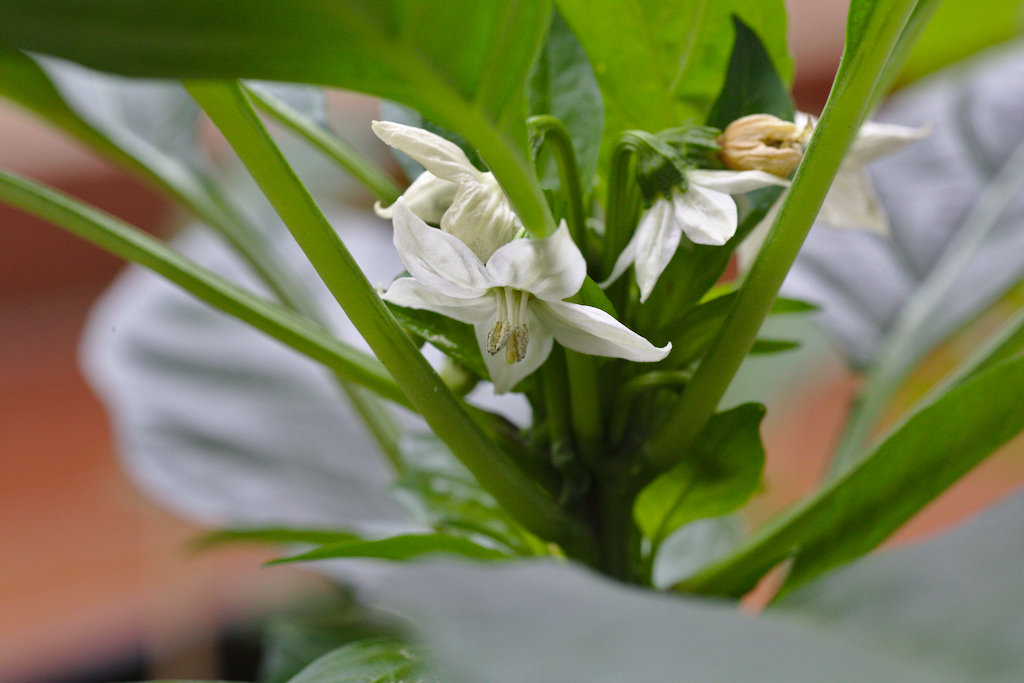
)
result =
(705, 212)
(514, 301)
(467, 202)
(851, 202)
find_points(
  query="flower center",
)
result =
(509, 331)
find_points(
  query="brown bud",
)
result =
(762, 142)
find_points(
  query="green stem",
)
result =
(229, 107)
(552, 130)
(348, 157)
(914, 334)
(844, 112)
(619, 206)
(633, 388)
(132, 244)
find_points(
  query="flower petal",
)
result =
(428, 197)
(657, 238)
(852, 203)
(592, 331)
(878, 139)
(625, 260)
(734, 182)
(440, 261)
(551, 268)
(441, 157)
(481, 216)
(408, 292)
(706, 216)
(505, 375)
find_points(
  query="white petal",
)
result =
(408, 292)
(657, 238)
(592, 331)
(706, 216)
(438, 260)
(428, 197)
(505, 375)
(441, 157)
(481, 216)
(551, 268)
(734, 182)
(851, 202)
(878, 139)
(625, 260)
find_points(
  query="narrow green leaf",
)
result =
(765, 346)
(455, 339)
(132, 244)
(715, 477)
(855, 512)
(404, 547)
(273, 535)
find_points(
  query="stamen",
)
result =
(502, 328)
(515, 349)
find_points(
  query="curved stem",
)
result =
(550, 129)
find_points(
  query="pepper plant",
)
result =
(587, 171)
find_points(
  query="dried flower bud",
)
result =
(762, 142)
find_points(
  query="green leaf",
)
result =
(403, 547)
(661, 64)
(274, 535)
(542, 621)
(440, 493)
(378, 660)
(462, 64)
(764, 346)
(455, 339)
(563, 85)
(752, 85)
(956, 601)
(718, 475)
(855, 512)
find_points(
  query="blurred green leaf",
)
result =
(405, 547)
(462, 64)
(719, 474)
(379, 660)
(956, 600)
(861, 507)
(274, 535)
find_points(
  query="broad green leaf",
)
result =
(563, 85)
(661, 64)
(693, 546)
(752, 85)
(462, 64)
(853, 513)
(381, 660)
(541, 621)
(404, 547)
(956, 600)
(716, 476)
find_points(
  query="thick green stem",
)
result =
(348, 157)
(230, 108)
(845, 110)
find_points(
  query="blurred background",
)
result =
(97, 583)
